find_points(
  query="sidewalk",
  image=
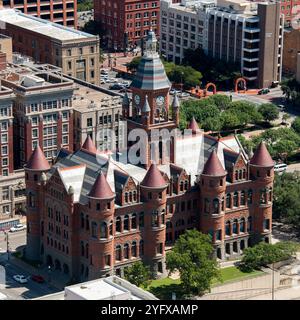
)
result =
(281, 294)
(58, 280)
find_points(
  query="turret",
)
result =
(153, 191)
(101, 214)
(212, 185)
(175, 109)
(262, 174)
(35, 178)
(193, 125)
(146, 111)
(89, 145)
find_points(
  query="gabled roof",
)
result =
(262, 157)
(101, 188)
(153, 178)
(213, 166)
(37, 160)
(73, 177)
(193, 125)
(89, 145)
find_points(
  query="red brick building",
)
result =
(126, 22)
(288, 8)
(92, 215)
(63, 12)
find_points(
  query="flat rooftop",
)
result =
(86, 99)
(44, 27)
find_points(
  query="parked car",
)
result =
(20, 278)
(264, 91)
(102, 81)
(17, 227)
(116, 87)
(37, 278)
(280, 167)
(184, 94)
(103, 71)
(173, 91)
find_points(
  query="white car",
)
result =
(103, 81)
(20, 278)
(17, 227)
(173, 91)
(184, 94)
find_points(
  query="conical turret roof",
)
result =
(175, 102)
(37, 161)
(262, 157)
(194, 126)
(101, 188)
(89, 145)
(213, 166)
(153, 178)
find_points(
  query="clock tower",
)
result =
(150, 107)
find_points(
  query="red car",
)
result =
(37, 278)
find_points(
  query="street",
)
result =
(8, 286)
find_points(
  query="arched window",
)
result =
(249, 224)
(228, 200)
(155, 219)
(134, 196)
(111, 228)
(82, 248)
(103, 227)
(126, 197)
(31, 199)
(235, 226)
(118, 253)
(223, 204)
(133, 221)
(216, 206)
(181, 185)
(244, 173)
(240, 175)
(242, 225)
(236, 175)
(133, 249)
(267, 224)
(250, 195)
(118, 224)
(270, 198)
(227, 228)
(243, 198)
(126, 222)
(235, 199)
(141, 248)
(126, 251)
(94, 229)
(130, 196)
(87, 223)
(162, 217)
(186, 185)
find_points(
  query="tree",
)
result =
(221, 101)
(192, 256)
(269, 111)
(296, 125)
(264, 253)
(138, 274)
(185, 75)
(84, 5)
(133, 64)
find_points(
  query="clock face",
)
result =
(160, 100)
(137, 99)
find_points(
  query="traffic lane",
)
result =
(16, 239)
(28, 290)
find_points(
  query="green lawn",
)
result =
(163, 288)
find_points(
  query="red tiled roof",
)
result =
(194, 125)
(213, 166)
(101, 188)
(262, 157)
(37, 160)
(89, 145)
(153, 178)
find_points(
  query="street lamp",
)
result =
(49, 273)
(273, 281)
(7, 244)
